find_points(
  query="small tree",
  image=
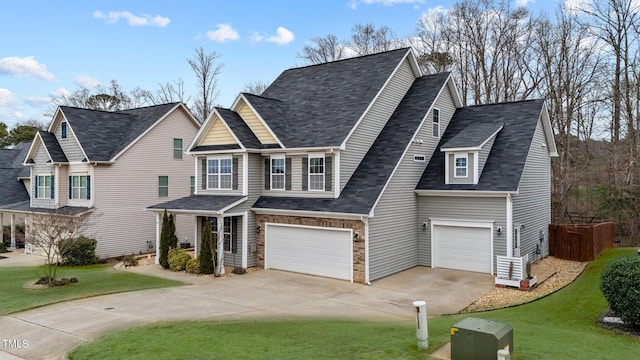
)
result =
(54, 234)
(165, 241)
(173, 239)
(205, 257)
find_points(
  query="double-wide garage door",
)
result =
(462, 247)
(309, 250)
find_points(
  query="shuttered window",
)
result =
(44, 187)
(278, 173)
(219, 173)
(316, 172)
(79, 187)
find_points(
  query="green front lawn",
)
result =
(560, 326)
(15, 294)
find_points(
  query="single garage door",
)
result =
(462, 248)
(309, 250)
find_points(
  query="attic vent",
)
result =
(419, 158)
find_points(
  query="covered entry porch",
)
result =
(227, 218)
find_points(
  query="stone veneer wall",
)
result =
(356, 225)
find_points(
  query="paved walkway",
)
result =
(53, 330)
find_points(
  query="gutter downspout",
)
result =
(365, 220)
(509, 226)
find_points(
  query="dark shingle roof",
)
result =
(11, 168)
(205, 203)
(473, 135)
(24, 207)
(508, 155)
(366, 184)
(104, 134)
(239, 128)
(53, 147)
(216, 147)
(318, 105)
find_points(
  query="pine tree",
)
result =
(206, 254)
(164, 241)
(173, 238)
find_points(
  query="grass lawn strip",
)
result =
(560, 326)
(15, 294)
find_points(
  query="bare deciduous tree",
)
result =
(206, 69)
(45, 232)
(366, 39)
(255, 87)
(323, 49)
(168, 92)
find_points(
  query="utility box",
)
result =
(479, 339)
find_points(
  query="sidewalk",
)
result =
(17, 257)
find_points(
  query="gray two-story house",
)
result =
(111, 165)
(361, 168)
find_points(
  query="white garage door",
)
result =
(317, 251)
(462, 248)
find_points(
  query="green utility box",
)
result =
(479, 339)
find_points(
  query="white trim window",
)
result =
(219, 173)
(278, 172)
(43, 187)
(461, 163)
(227, 230)
(79, 188)
(435, 123)
(177, 149)
(316, 172)
(163, 186)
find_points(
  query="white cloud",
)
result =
(524, 3)
(6, 97)
(86, 81)
(23, 67)
(37, 101)
(112, 17)
(223, 33)
(283, 36)
(354, 3)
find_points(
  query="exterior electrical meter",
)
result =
(479, 339)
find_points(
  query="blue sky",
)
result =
(48, 47)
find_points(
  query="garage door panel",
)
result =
(462, 248)
(316, 251)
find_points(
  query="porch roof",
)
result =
(24, 207)
(199, 204)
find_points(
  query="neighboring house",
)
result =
(345, 169)
(113, 165)
(14, 182)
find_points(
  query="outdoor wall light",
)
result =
(424, 225)
(356, 235)
(499, 230)
(258, 229)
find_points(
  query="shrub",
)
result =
(178, 259)
(206, 253)
(193, 266)
(619, 282)
(3, 247)
(130, 260)
(78, 251)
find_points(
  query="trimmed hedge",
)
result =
(619, 282)
(78, 251)
(178, 259)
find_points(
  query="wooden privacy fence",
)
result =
(580, 242)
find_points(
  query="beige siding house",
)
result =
(113, 165)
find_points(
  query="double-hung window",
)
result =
(461, 166)
(43, 187)
(219, 173)
(277, 173)
(177, 149)
(316, 172)
(163, 186)
(79, 187)
(435, 123)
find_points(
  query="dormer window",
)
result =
(316, 172)
(461, 170)
(63, 130)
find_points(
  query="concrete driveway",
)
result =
(50, 332)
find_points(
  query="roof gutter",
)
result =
(467, 193)
(308, 213)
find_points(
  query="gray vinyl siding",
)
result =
(41, 167)
(393, 230)
(532, 204)
(470, 169)
(296, 180)
(70, 144)
(202, 191)
(458, 208)
(62, 186)
(484, 154)
(123, 190)
(374, 120)
(235, 259)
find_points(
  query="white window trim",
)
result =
(455, 166)
(72, 199)
(433, 123)
(46, 188)
(162, 186)
(284, 173)
(219, 174)
(316, 156)
(173, 144)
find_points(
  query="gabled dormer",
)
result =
(467, 152)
